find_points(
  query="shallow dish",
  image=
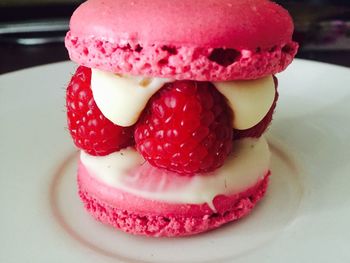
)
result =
(303, 217)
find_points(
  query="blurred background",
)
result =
(32, 31)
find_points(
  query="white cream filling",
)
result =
(121, 99)
(248, 162)
(250, 100)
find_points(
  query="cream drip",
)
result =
(127, 170)
(250, 100)
(122, 98)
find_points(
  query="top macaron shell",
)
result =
(199, 40)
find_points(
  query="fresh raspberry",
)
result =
(90, 130)
(186, 128)
(257, 130)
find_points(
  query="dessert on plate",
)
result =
(169, 105)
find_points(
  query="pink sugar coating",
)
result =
(140, 216)
(181, 62)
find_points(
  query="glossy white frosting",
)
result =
(247, 164)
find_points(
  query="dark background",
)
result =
(32, 31)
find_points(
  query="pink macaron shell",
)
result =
(193, 63)
(137, 215)
(197, 40)
(237, 24)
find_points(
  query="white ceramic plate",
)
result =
(305, 216)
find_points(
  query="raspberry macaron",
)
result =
(169, 106)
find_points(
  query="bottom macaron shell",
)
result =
(169, 225)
